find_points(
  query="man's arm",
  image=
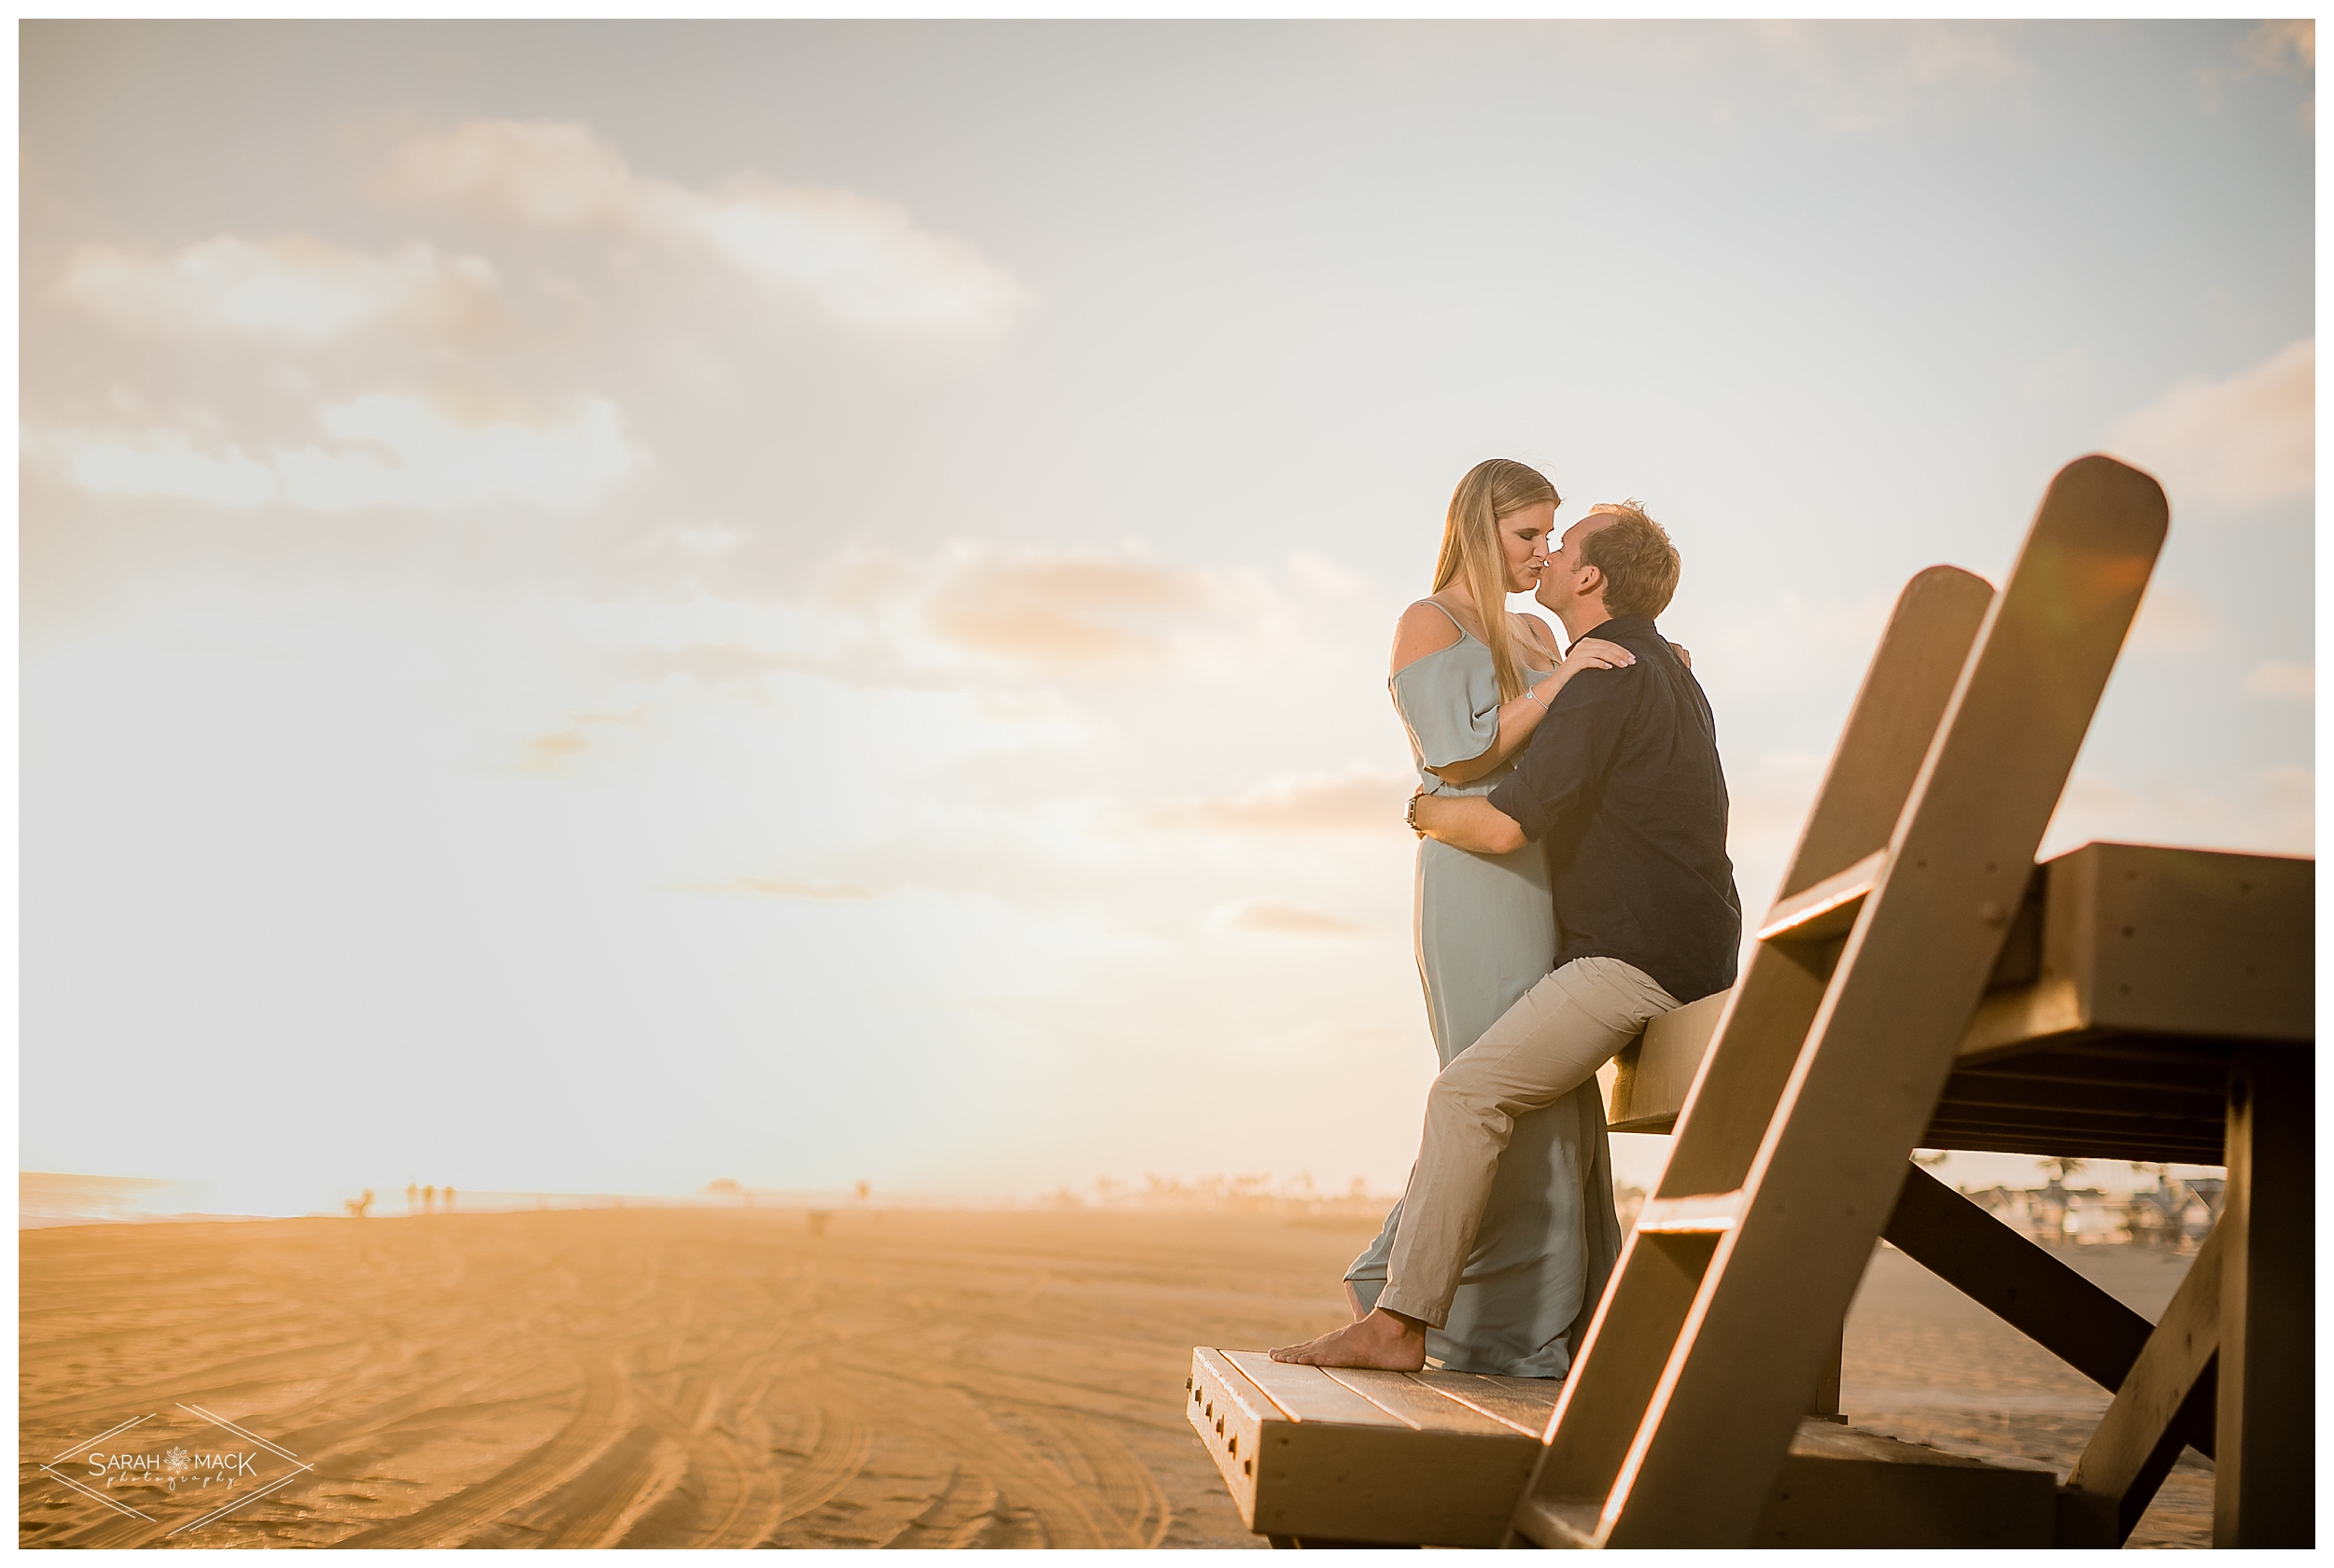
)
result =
(1569, 755)
(1468, 822)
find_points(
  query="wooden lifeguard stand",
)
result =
(1921, 984)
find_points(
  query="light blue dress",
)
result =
(1486, 934)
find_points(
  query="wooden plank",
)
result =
(2041, 1137)
(1415, 1404)
(2017, 1281)
(2186, 941)
(1307, 1393)
(1750, 1057)
(1649, 1079)
(1326, 1481)
(1236, 1387)
(1605, 1394)
(1878, 1054)
(2007, 1091)
(2050, 1143)
(2015, 1019)
(2263, 1476)
(2135, 1443)
(1690, 1214)
(1890, 723)
(2126, 1061)
(1523, 1404)
(1842, 1488)
(1827, 909)
(1229, 1413)
(1824, 1402)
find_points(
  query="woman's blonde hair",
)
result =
(1492, 489)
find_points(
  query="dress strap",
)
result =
(1447, 615)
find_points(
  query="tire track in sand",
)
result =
(597, 1423)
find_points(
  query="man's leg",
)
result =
(1549, 1044)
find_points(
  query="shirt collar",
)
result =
(1614, 627)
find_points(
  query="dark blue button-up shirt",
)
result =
(1621, 786)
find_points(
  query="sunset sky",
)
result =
(609, 606)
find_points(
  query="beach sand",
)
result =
(673, 1376)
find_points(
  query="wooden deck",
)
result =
(2131, 977)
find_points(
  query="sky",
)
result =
(609, 605)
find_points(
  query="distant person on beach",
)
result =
(1471, 687)
(1621, 789)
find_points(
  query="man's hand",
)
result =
(1468, 822)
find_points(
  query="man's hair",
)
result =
(1639, 564)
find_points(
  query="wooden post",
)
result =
(1824, 1402)
(2265, 1470)
(2160, 1406)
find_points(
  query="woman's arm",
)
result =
(1520, 718)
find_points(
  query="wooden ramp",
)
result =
(1922, 984)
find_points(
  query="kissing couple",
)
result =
(1572, 885)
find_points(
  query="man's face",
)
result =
(1566, 578)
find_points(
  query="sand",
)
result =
(674, 1377)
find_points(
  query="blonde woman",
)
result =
(1471, 682)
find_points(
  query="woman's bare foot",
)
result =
(1381, 1340)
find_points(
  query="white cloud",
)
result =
(1277, 917)
(295, 288)
(2273, 811)
(2292, 682)
(1359, 800)
(154, 463)
(2272, 48)
(863, 260)
(1868, 76)
(2171, 620)
(2245, 440)
(391, 450)
(2267, 46)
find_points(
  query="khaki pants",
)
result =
(1548, 1044)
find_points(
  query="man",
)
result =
(1621, 788)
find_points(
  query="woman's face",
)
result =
(1523, 541)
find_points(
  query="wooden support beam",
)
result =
(1827, 909)
(1824, 1402)
(2264, 1474)
(2018, 1283)
(2165, 1399)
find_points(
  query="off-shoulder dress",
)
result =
(1486, 934)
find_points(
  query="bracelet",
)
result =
(1535, 697)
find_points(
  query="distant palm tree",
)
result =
(2059, 1169)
